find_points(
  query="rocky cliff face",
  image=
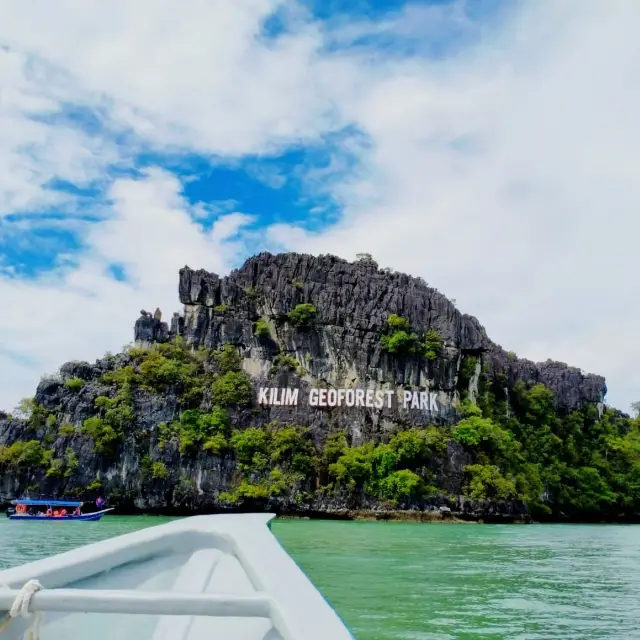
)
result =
(353, 302)
(297, 322)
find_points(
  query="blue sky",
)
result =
(270, 188)
(275, 187)
(483, 145)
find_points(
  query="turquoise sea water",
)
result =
(433, 581)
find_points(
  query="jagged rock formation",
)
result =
(150, 328)
(353, 302)
(336, 345)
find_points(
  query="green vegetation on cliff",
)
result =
(398, 339)
(302, 315)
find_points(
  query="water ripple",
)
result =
(450, 581)
(401, 581)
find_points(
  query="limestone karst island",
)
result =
(313, 386)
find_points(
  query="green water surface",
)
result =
(432, 581)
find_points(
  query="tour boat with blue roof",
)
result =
(27, 509)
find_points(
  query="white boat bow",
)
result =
(206, 577)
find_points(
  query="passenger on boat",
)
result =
(63, 512)
(76, 511)
(49, 512)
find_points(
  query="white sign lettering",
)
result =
(420, 400)
(371, 398)
(278, 397)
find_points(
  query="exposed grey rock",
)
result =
(82, 370)
(149, 329)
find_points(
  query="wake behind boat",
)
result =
(222, 576)
(27, 509)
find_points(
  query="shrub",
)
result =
(216, 444)
(335, 446)
(138, 353)
(176, 349)
(25, 454)
(167, 365)
(95, 485)
(232, 389)
(159, 471)
(275, 485)
(118, 411)
(278, 482)
(261, 329)
(145, 465)
(398, 343)
(104, 436)
(485, 482)
(401, 485)
(283, 361)
(292, 448)
(414, 448)
(192, 396)
(355, 467)
(74, 384)
(122, 376)
(482, 434)
(228, 359)
(252, 448)
(433, 343)
(398, 340)
(302, 315)
(468, 409)
(398, 323)
(158, 372)
(367, 258)
(251, 491)
(221, 308)
(209, 430)
(297, 284)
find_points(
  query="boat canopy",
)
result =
(47, 503)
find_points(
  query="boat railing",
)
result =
(33, 601)
(141, 602)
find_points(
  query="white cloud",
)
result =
(195, 74)
(506, 175)
(32, 153)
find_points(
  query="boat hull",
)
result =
(219, 576)
(85, 517)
